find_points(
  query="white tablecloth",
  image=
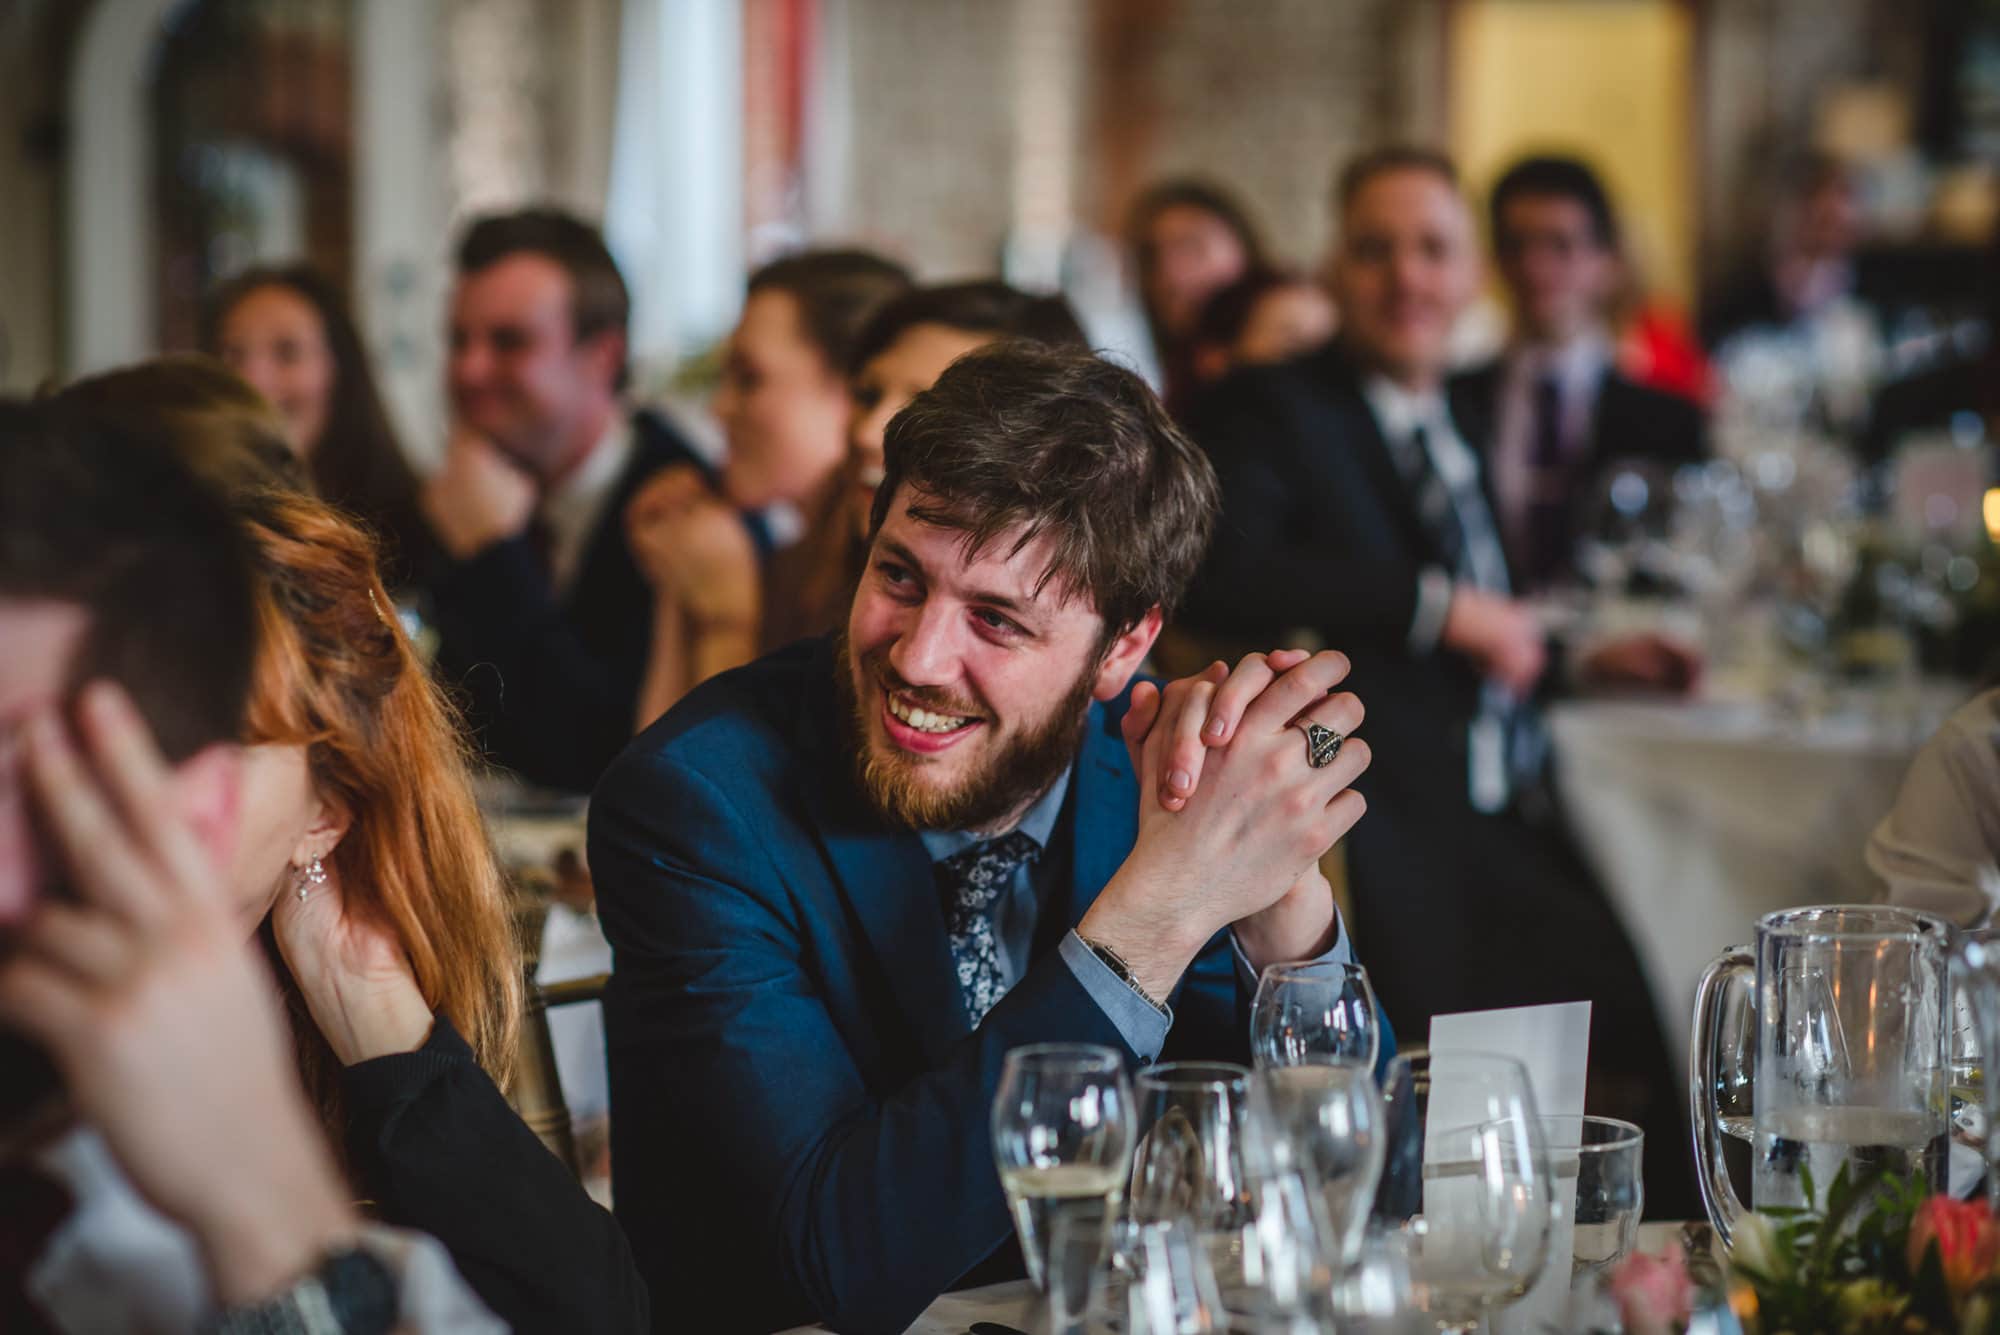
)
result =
(1700, 818)
(1014, 1303)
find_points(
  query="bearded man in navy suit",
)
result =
(842, 882)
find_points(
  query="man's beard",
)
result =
(1006, 784)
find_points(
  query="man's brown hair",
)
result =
(93, 513)
(1061, 444)
(599, 302)
(1356, 175)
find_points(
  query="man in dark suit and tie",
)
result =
(842, 882)
(1355, 512)
(1563, 418)
(544, 617)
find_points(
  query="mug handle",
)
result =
(1731, 969)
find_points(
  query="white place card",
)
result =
(1553, 1043)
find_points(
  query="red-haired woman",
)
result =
(363, 860)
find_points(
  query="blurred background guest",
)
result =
(1189, 239)
(1938, 849)
(1797, 318)
(899, 355)
(1564, 415)
(1354, 510)
(784, 405)
(1962, 392)
(1268, 315)
(542, 608)
(287, 331)
(364, 865)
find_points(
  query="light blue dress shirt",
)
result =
(1143, 1027)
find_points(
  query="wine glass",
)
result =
(1468, 1173)
(1062, 1137)
(1314, 1013)
(1328, 1122)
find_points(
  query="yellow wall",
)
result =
(1606, 80)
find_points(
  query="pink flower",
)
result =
(1655, 1295)
(1968, 1241)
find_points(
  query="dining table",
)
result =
(1700, 816)
(1014, 1306)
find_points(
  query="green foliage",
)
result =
(1842, 1265)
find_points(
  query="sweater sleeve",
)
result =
(436, 1147)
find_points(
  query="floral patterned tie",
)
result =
(972, 881)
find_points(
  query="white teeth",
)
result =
(923, 720)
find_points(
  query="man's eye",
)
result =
(994, 621)
(867, 396)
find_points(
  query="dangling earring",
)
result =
(314, 874)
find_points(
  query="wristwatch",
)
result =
(352, 1293)
(1116, 963)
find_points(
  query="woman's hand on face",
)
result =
(353, 972)
(161, 1016)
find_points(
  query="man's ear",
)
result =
(1129, 650)
(210, 785)
(604, 352)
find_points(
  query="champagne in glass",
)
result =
(1062, 1141)
(1076, 1201)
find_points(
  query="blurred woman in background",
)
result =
(364, 865)
(1268, 315)
(287, 331)
(1189, 239)
(901, 353)
(784, 407)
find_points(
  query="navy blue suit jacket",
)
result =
(800, 1114)
(550, 683)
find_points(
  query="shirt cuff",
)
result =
(1138, 1021)
(1433, 603)
(1338, 953)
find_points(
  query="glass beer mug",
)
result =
(1849, 1025)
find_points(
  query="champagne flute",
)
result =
(1314, 1013)
(1062, 1139)
(1466, 1152)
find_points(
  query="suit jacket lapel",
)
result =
(885, 875)
(1373, 447)
(1105, 795)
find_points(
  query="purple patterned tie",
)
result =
(972, 881)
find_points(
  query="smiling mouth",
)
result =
(925, 720)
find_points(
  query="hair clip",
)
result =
(380, 616)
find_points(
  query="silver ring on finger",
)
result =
(1322, 743)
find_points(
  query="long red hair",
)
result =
(336, 674)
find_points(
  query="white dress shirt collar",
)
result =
(573, 508)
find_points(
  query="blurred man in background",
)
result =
(544, 615)
(1355, 513)
(1563, 415)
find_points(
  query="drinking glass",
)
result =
(1375, 1295)
(1314, 1013)
(1191, 1165)
(1328, 1123)
(1469, 1174)
(1062, 1138)
(1594, 1163)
